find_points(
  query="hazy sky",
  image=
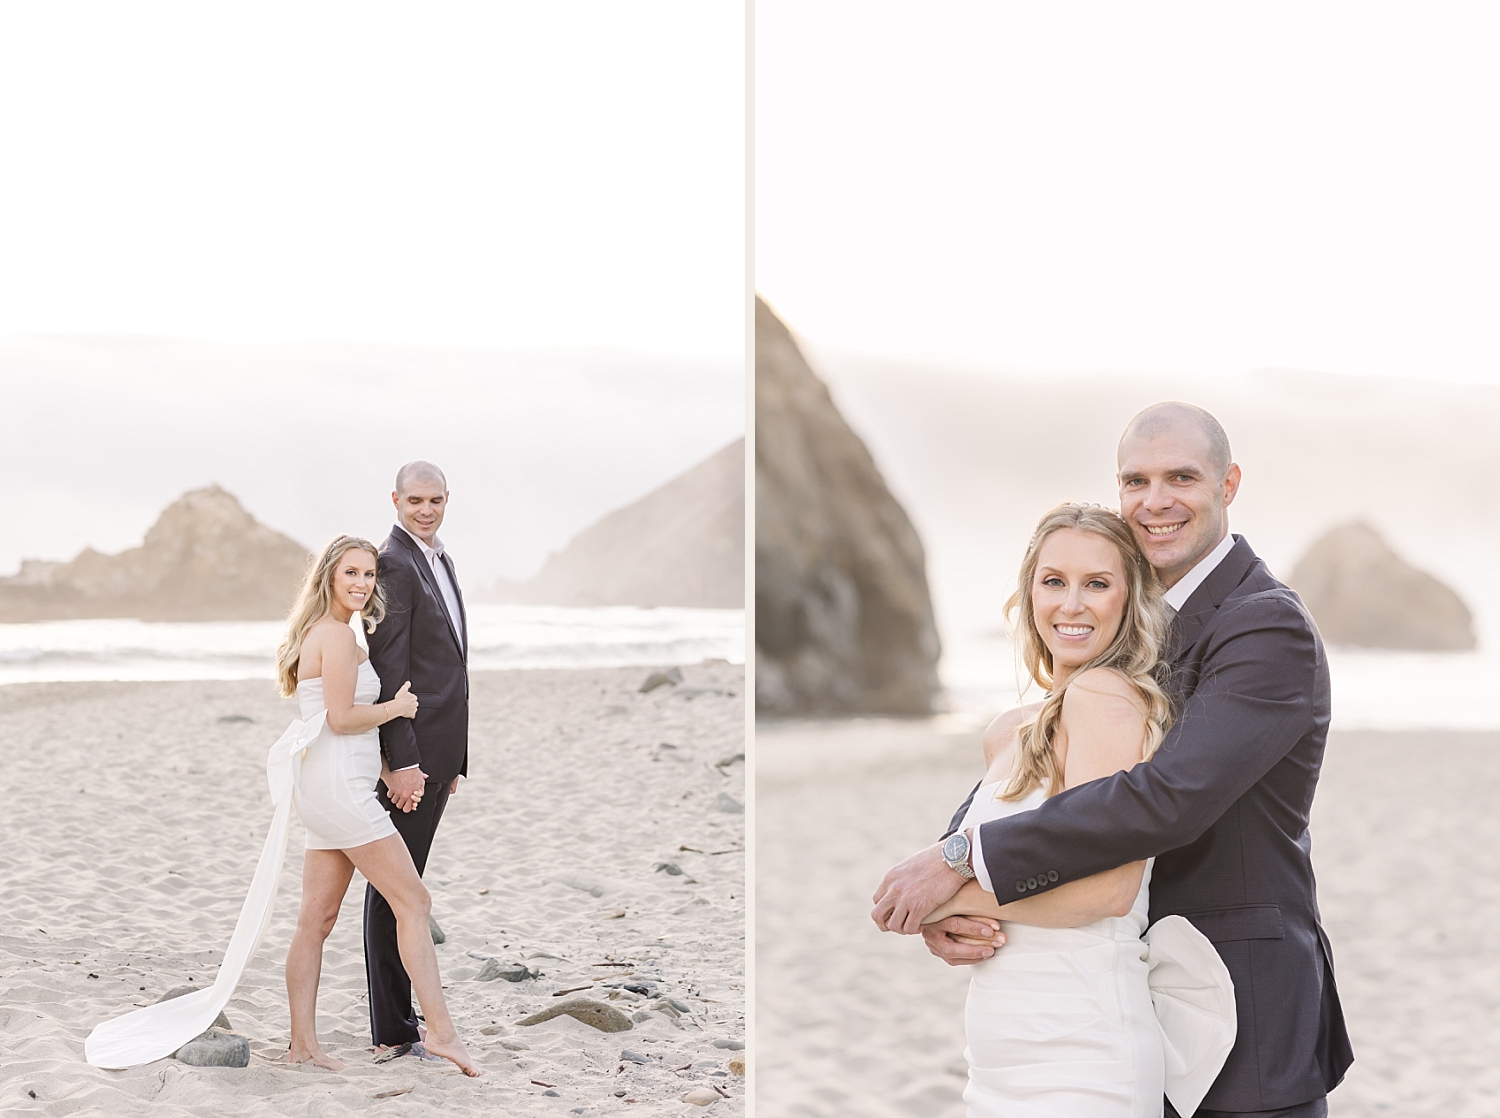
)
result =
(1176, 187)
(288, 246)
(507, 176)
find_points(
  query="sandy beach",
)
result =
(136, 814)
(1406, 844)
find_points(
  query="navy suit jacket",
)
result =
(1223, 807)
(418, 641)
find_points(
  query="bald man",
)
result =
(1223, 805)
(424, 638)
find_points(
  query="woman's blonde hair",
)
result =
(1135, 652)
(313, 601)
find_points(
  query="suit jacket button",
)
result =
(1031, 883)
(1051, 875)
(1020, 887)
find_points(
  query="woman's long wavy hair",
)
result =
(1135, 652)
(313, 601)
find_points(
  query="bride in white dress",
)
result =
(1077, 1015)
(326, 764)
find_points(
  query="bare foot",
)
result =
(313, 1055)
(452, 1049)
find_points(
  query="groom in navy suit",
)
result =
(1223, 805)
(424, 638)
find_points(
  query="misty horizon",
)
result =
(537, 445)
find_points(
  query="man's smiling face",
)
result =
(1175, 491)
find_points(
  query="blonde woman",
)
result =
(1061, 1020)
(326, 765)
(347, 829)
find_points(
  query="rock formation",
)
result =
(205, 559)
(843, 617)
(681, 545)
(1360, 592)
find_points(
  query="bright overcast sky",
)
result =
(1175, 187)
(506, 176)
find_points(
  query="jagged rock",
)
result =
(435, 929)
(729, 805)
(220, 1022)
(1360, 592)
(511, 972)
(843, 617)
(681, 545)
(605, 1018)
(205, 559)
(216, 1048)
(670, 677)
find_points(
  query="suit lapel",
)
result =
(425, 569)
(1203, 602)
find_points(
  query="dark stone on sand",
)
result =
(729, 805)
(236, 718)
(217, 1048)
(843, 616)
(670, 868)
(220, 1022)
(670, 677)
(435, 929)
(552, 1093)
(605, 1018)
(1360, 592)
(511, 972)
(634, 1056)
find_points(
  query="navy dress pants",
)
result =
(392, 1019)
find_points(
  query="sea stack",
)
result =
(205, 559)
(843, 616)
(1362, 593)
(680, 545)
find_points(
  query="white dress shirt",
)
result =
(445, 584)
(1176, 597)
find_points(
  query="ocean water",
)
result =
(500, 636)
(1371, 690)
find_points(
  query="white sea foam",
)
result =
(1372, 690)
(500, 636)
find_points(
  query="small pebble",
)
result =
(729, 805)
(732, 1045)
(552, 1094)
(672, 677)
(634, 1057)
(437, 932)
(702, 1096)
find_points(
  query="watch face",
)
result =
(956, 849)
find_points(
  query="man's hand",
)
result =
(453, 788)
(912, 889)
(962, 940)
(405, 787)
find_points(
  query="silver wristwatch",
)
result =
(956, 854)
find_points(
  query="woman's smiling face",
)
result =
(1078, 597)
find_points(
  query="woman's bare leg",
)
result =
(325, 880)
(387, 865)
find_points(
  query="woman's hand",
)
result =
(403, 704)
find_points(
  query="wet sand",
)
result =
(851, 1021)
(135, 815)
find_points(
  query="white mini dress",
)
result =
(1098, 1021)
(335, 794)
